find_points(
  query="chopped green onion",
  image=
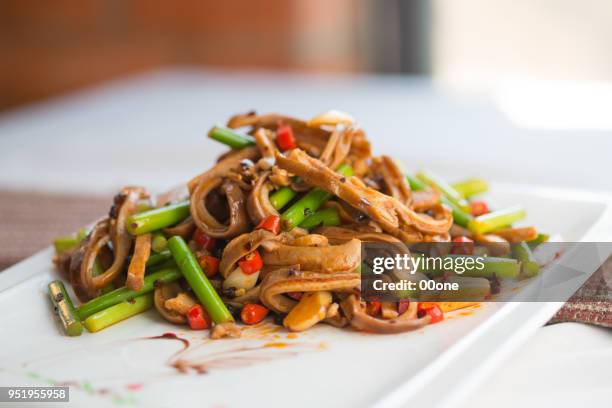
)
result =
(119, 312)
(449, 192)
(310, 203)
(471, 187)
(64, 308)
(281, 197)
(230, 137)
(460, 217)
(501, 267)
(541, 238)
(496, 220)
(157, 218)
(327, 217)
(415, 184)
(157, 258)
(529, 266)
(159, 242)
(203, 289)
(119, 295)
(64, 243)
(67, 242)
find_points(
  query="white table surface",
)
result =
(150, 130)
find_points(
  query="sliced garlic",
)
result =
(240, 280)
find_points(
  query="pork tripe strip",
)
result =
(394, 217)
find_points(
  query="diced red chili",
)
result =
(252, 263)
(478, 208)
(253, 313)
(198, 318)
(209, 264)
(373, 307)
(402, 306)
(462, 246)
(434, 311)
(270, 223)
(204, 240)
(284, 138)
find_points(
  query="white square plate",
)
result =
(322, 367)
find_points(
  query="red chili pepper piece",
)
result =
(253, 313)
(209, 264)
(198, 318)
(373, 307)
(204, 240)
(270, 223)
(462, 246)
(434, 311)
(402, 306)
(478, 208)
(284, 138)
(252, 263)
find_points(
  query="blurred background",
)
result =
(513, 90)
(49, 48)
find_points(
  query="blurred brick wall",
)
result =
(49, 47)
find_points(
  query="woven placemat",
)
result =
(592, 303)
(30, 221)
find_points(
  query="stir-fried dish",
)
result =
(275, 229)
